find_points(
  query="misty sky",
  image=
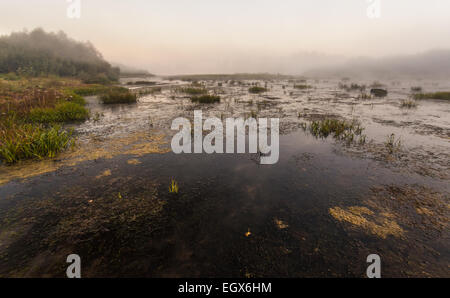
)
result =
(211, 36)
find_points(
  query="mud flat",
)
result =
(328, 203)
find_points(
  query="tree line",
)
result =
(40, 53)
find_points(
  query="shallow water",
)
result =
(320, 211)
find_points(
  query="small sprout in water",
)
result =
(248, 233)
(119, 196)
(173, 188)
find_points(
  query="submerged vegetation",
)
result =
(436, 95)
(205, 99)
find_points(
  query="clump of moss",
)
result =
(257, 89)
(436, 95)
(205, 99)
(120, 95)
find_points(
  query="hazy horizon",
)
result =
(175, 37)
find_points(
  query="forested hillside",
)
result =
(38, 53)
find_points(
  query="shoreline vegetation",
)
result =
(43, 79)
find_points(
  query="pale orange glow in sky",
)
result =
(198, 36)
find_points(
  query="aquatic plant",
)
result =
(436, 95)
(392, 144)
(416, 89)
(340, 130)
(205, 99)
(408, 103)
(121, 95)
(173, 188)
(257, 89)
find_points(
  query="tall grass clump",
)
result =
(28, 141)
(436, 95)
(119, 95)
(62, 112)
(205, 99)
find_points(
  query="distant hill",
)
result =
(40, 53)
(433, 63)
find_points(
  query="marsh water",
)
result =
(319, 212)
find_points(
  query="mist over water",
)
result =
(292, 37)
